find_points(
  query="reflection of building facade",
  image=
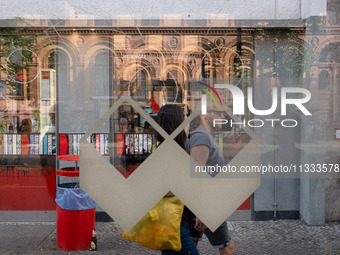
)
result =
(94, 67)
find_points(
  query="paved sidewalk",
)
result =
(250, 237)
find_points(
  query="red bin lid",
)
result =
(67, 173)
(69, 157)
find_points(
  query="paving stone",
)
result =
(250, 237)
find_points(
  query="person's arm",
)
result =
(199, 225)
(200, 153)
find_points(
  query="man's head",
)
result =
(214, 111)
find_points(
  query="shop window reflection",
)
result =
(102, 69)
(324, 80)
(333, 12)
(61, 65)
(139, 93)
(103, 72)
(330, 54)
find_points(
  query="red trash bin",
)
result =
(74, 225)
(74, 229)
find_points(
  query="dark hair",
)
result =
(169, 117)
(26, 126)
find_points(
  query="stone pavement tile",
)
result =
(20, 238)
(285, 237)
(110, 241)
(250, 237)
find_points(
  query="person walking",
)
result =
(169, 117)
(206, 152)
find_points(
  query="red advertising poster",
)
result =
(63, 144)
(120, 144)
(245, 205)
(45, 74)
(27, 188)
(24, 145)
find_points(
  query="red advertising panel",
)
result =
(27, 187)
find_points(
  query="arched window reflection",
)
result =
(58, 60)
(330, 54)
(333, 15)
(102, 69)
(141, 81)
(174, 89)
(58, 80)
(103, 85)
(324, 80)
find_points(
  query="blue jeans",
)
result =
(188, 247)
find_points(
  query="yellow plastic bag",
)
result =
(159, 229)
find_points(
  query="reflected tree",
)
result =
(17, 48)
(287, 58)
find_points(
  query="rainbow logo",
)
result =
(204, 97)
